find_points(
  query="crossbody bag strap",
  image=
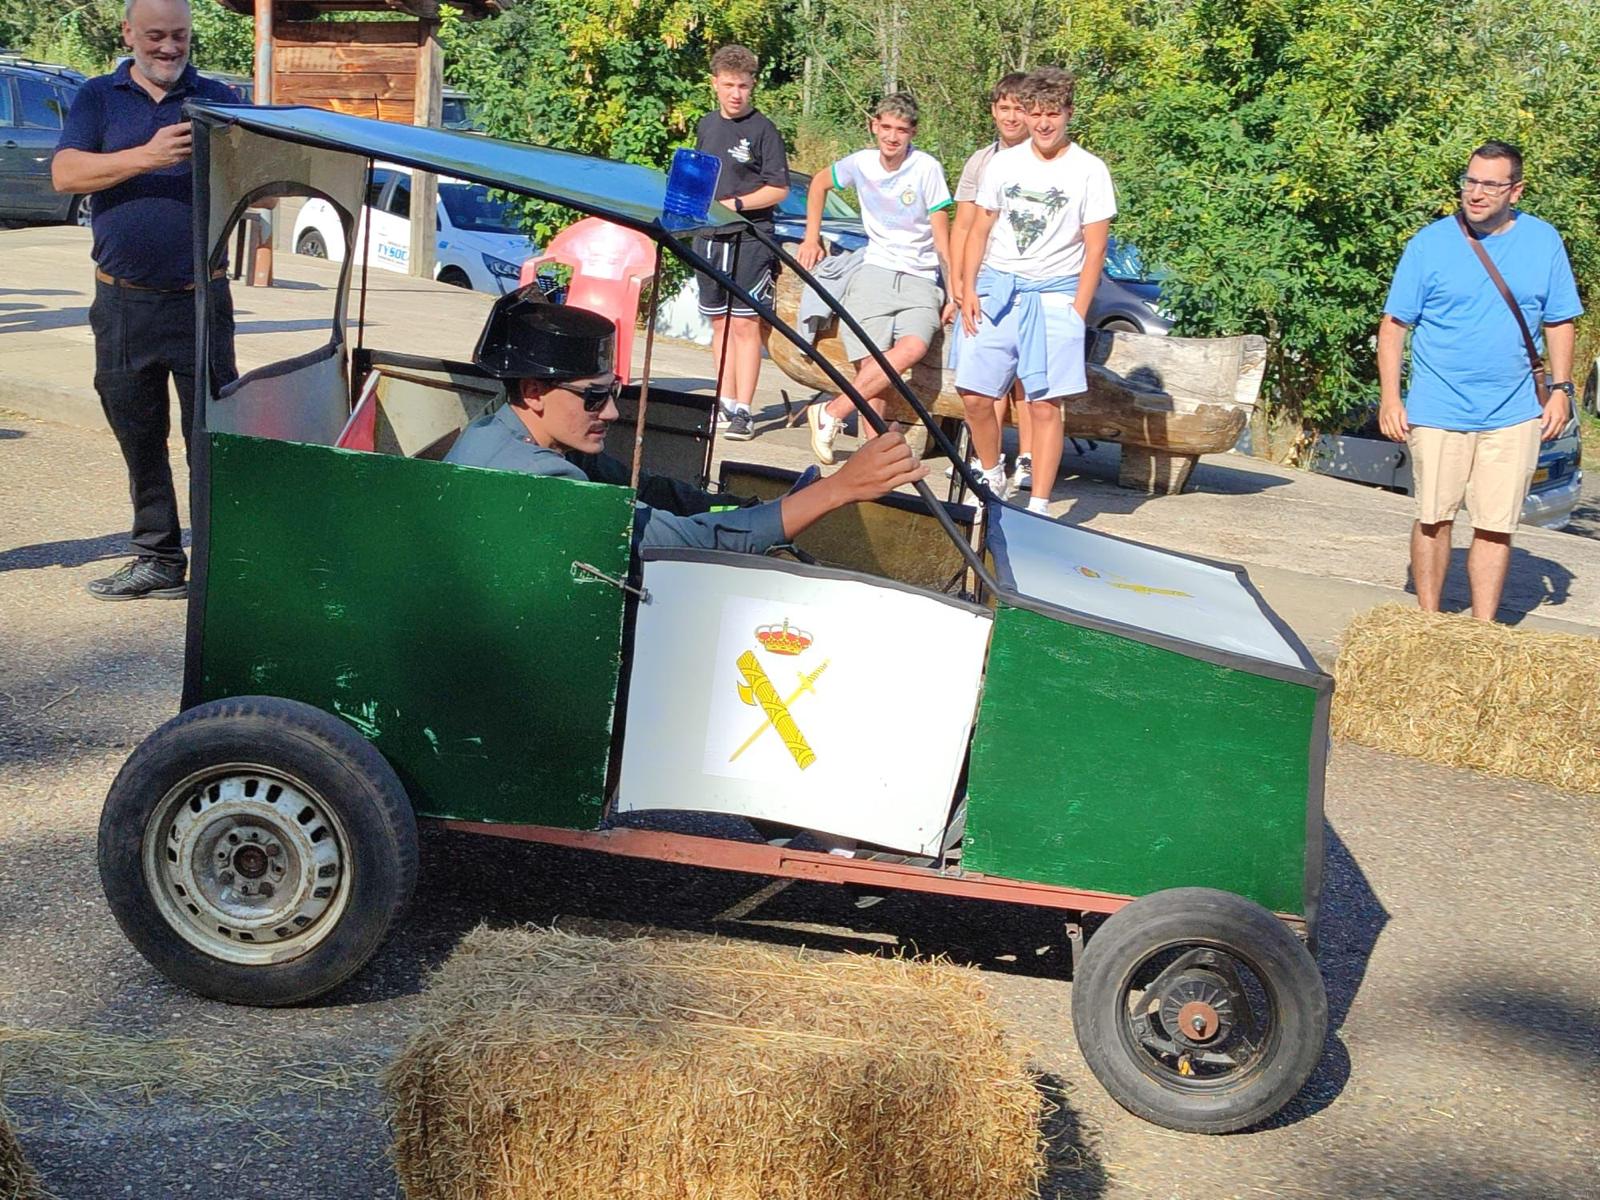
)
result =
(1499, 282)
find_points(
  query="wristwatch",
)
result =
(1572, 392)
(738, 204)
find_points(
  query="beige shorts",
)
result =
(1489, 470)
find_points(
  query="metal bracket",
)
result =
(622, 584)
(1075, 944)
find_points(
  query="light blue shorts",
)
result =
(986, 362)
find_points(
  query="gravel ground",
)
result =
(1459, 949)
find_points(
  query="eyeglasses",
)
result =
(1494, 187)
(596, 395)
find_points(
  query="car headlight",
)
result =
(502, 269)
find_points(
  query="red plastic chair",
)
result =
(609, 266)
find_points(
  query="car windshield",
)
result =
(473, 208)
(456, 113)
(834, 206)
(1124, 264)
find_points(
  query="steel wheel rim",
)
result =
(1154, 1065)
(216, 838)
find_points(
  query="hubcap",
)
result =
(247, 864)
(1199, 1017)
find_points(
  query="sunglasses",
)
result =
(596, 395)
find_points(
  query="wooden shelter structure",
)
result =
(392, 70)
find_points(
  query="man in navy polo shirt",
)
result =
(127, 144)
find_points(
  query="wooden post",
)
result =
(428, 110)
(263, 51)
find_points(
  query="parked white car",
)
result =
(480, 244)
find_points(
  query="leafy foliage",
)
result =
(1275, 155)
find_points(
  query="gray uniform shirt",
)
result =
(501, 442)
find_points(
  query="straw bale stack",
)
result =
(564, 1067)
(1453, 690)
(17, 1180)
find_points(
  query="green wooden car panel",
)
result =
(435, 608)
(1106, 764)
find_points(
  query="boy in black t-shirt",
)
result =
(755, 176)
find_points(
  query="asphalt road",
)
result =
(1459, 949)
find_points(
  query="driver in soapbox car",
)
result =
(562, 391)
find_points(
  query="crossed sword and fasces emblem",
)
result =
(758, 689)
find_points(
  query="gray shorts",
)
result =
(890, 305)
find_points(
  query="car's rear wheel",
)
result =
(1120, 325)
(311, 245)
(1199, 1010)
(455, 277)
(81, 212)
(257, 850)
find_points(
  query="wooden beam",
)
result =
(302, 85)
(263, 71)
(472, 10)
(351, 33)
(429, 102)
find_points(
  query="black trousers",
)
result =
(140, 338)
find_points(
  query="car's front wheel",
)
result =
(1199, 1010)
(81, 212)
(455, 277)
(257, 850)
(311, 245)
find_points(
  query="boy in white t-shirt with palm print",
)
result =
(896, 293)
(1032, 263)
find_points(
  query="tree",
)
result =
(1273, 156)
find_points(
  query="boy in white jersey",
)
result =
(895, 294)
(1032, 263)
(1010, 129)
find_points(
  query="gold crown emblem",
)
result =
(782, 639)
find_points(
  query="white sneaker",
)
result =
(995, 479)
(1022, 477)
(824, 431)
(973, 465)
(1040, 506)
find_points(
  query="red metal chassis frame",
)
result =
(756, 858)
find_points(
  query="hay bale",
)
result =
(17, 1180)
(578, 1068)
(1468, 693)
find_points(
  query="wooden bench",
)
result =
(1166, 400)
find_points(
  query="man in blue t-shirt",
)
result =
(1471, 416)
(127, 144)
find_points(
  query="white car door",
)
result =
(391, 226)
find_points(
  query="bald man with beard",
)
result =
(127, 144)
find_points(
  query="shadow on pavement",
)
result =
(1352, 919)
(73, 552)
(1073, 1171)
(1532, 581)
(45, 318)
(11, 435)
(310, 325)
(1550, 1025)
(5, 291)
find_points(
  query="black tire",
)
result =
(299, 786)
(1287, 984)
(1591, 391)
(1121, 325)
(311, 245)
(455, 277)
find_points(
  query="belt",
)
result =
(142, 287)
